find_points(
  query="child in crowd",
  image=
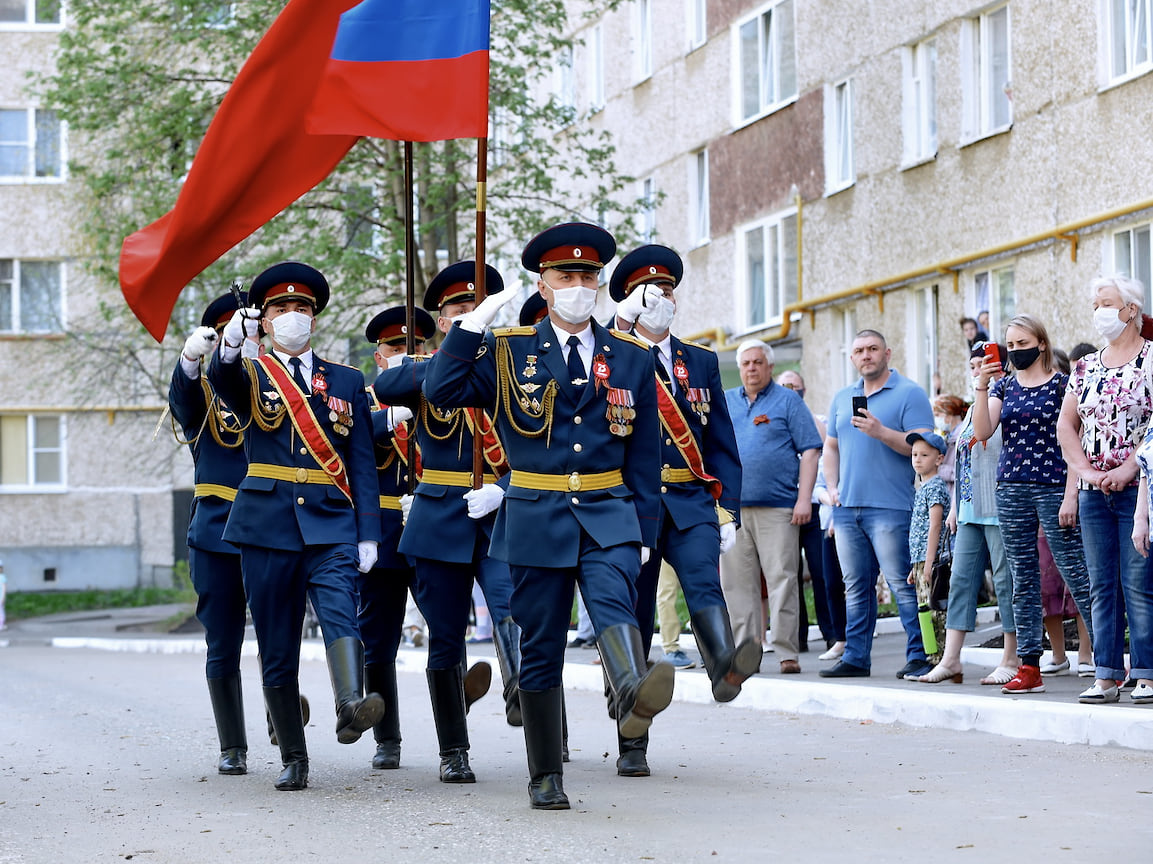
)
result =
(927, 532)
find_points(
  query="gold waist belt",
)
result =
(205, 490)
(291, 475)
(677, 475)
(390, 502)
(574, 482)
(462, 479)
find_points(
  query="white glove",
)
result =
(637, 301)
(405, 508)
(485, 313)
(241, 325)
(366, 549)
(728, 536)
(398, 414)
(484, 500)
(646, 554)
(201, 342)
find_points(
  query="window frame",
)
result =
(924, 327)
(782, 99)
(696, 24)
(31, 451)
(1109, 49)
(840, 155)
(19, 290)
(31, 143)
(920, 142)
(995, 302)
(595, 43)
(30, 22)
(977, 76)
(785, 281)
(647, 228)
(642, 40)
(700, 215)
(1143, 258)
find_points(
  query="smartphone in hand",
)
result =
(992, 353)
(860, 405)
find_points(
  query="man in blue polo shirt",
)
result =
(773, 429)
(870, 480)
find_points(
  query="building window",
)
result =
(30, 296)
(699, 197)
(697, 23)
(596, 54)
(839, 170)
(1128, 36)
(923, 349)
(847, 327)
(766, 52)
(642, 39)
(563, 84)
(1131, 257)
(31, 144)
(17, 12)
(31, 451)
(919, 103)
(985, 64)
(993, 292)
(648, 214)
(768, 251)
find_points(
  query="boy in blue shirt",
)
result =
(927, 532)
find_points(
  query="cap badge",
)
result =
(290, 289)
(652, 271)
(576, 252)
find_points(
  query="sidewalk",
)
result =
(1054, 715)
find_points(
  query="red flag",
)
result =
(258, 156)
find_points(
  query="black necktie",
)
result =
(298, 375)
(576, 369)
(661, 370)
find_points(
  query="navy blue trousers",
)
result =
(383, 598)
(220, 607)
(695, 556)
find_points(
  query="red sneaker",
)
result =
(1027, 680)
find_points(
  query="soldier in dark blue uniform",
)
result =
(700, 478)
(576, 408)
(447, 532)
(307, 514)
(384, 589)
(215, 438)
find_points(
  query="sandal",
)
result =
(1000, 675)
(938, 674)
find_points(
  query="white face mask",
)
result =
(574, 305)
(393, 360)
(658, 315)
(1108, 323)
(292, 330)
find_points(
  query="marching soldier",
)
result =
(447, 532)
(306, 515)
(576, 408)
(384, 589)
(700, 478)
(215, 439)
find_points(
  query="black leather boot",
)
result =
(506, 640)
(355, 712)
(477, 680)
(305, 713)
(228, 709)
(633, 759)
(639, 695)
(283, 704)
(381, 678)
(564, 755)
(728, 666)
(542, 711)
(446, 689)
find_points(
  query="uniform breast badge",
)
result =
(600, 371)
(621, 412)
(529, 367)
(340, 413)
(319, 383)
(698, 398)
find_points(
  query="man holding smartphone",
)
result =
(870, 479)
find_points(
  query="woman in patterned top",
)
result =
(1103, 419)
(1033, 485)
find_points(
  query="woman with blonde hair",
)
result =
(1034, 486)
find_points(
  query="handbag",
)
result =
(939, 581)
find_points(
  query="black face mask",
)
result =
(1024, 358)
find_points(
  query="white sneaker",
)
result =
(1098, 695)
(1052, 668)
(1142, 694)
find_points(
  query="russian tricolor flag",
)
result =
(409, 70)
(326, 73)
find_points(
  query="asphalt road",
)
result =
(111, 757)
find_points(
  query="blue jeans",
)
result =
(968, 573)
(1120, 580)
(1021, 507)
(872, 540)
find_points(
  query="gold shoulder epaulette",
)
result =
(700, 345)
(513, 331)
(345, 365)
(629, 337)
(419, 358)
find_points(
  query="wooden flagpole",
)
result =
(479, 284)
(409, 294)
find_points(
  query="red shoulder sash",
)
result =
(674, 422)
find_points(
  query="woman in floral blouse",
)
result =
(1104, 416)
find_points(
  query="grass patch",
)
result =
(34, 604)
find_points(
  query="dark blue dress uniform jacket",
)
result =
(282, 514)
(392, 480)
(580, 441)
(189, 401)
(439, 527)
(691, 503)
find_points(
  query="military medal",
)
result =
(529, 366)
(681, 372)
(319, 383)
(620, 412)
(698, 398)
(600, 370)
